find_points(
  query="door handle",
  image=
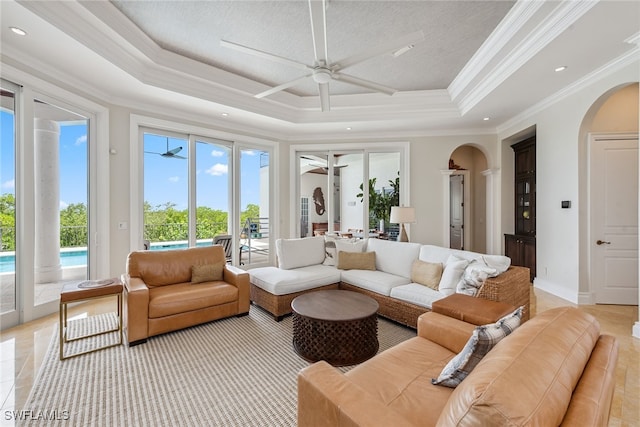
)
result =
(602, 242)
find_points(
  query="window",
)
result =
(196, 187)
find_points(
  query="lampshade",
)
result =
(402, 215)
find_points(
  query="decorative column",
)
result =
(47, 267)
(493, 238)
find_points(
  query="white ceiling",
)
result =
(479, 58)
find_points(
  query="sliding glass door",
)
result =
(47, 211)
(349, 193)
(189, 197)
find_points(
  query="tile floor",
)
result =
(23, 348)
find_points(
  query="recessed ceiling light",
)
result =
(18, 31)
(486, 118)
(561, 68)
(225, 114)
(349, 128)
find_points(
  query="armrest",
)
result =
(240, 279)
(513, 287)
(443, 330)
(326, 397)
(136, 310)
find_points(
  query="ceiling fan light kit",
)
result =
(322, 71)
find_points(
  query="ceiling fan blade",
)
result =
(317, 11)
(283, 86)
(264, 55)
(380, 49)
(324, 96)
(364, 83)
(174, 151)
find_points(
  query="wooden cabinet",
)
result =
(522, 251)
(521, 246)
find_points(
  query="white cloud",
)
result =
(218, 169)
(174, 178)
(9, 184)
(217, 153)
(63, 205)
(249, 153)
(81, 140)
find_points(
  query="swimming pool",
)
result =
(78, 256)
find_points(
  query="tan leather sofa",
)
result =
(555, 369)
(159, 295)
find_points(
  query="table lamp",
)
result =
(402, 215)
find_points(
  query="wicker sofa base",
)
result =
(512, 286)
(279, 305)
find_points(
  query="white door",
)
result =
(614, 219)
(456, 211)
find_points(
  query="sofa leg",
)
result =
(242, 314)
(138, 342)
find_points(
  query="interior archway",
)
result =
(471, 162)
(615, 112)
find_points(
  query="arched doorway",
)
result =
(609, 186)
(467, 207)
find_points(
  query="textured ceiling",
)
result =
(454, 30)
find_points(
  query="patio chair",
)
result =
(224, 240)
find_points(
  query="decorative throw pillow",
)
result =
(330, 251)
(207, 272)
(426, 273)
(483, 339)
(453, 270)
(474, 276)
(356, 260)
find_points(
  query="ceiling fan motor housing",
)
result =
(321, 75)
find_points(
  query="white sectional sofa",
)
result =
(310, 264)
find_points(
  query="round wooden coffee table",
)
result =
(340, 327)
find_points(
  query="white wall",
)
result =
(560, 140)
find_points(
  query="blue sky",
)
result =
(166, 179)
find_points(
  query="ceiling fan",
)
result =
(323, 71)
(321, 163)
(173, 153)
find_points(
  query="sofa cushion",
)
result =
(483, 339)
(281, 282)
(183, 297)
(207, 272)
(375, 281)
(394, 257)
(356, 260)
(399, 378)
(415, 293)
(161, 268)
(427, 273)
(555, 345)
(451, 275)
(434, 253)
(295, 253)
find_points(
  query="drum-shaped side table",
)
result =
(340, 327)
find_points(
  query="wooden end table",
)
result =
(340, 327)
(82, 291)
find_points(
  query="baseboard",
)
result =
(636, 330)
(586, 298)
(559, 291)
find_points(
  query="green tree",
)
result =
(73, 226)
(8, 221)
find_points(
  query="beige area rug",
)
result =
(239, 371)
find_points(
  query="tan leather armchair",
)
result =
(160, 297)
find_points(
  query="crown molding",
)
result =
(560, 18)
(519, 15)
(632, 56)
